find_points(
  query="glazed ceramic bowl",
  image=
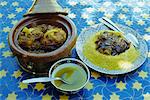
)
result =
(39, 63)
(68, 61)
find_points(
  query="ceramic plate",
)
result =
(84, 36)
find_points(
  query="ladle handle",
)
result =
(45, 6)
(40, 79)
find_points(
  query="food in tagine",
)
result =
(41, 38)
(110, 50)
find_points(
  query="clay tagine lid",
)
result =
(45, 7)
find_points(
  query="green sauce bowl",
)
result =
(72, 70)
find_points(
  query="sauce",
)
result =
(71, 73)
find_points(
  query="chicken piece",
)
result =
(57, 35)
(36, 45)
(42, 27)
(25, 41)
(36, 33)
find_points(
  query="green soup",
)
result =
(72, 73)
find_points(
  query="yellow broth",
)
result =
(71, 73)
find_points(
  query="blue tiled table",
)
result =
(84, 13)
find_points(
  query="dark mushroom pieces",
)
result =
(111, 44)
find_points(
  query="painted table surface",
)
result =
(84, 13)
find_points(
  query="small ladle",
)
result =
(46, 79)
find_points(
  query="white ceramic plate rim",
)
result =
(93, 29)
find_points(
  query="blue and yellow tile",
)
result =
(84, 13)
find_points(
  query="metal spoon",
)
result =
(46, 79)
(130, 37)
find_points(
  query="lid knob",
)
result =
(45, 6)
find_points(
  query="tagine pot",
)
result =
(43, 12)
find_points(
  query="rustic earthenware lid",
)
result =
(45, 7)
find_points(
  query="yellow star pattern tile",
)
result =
(143, 74)
(137, 85)
(1, 15)
(118, 3)
(7, 54)
(12, 96)
(141, 22)
(149, 54)
(23, 86)
(84, 16)
(15, 3)
(39, 86)
(146, 37)
(14, 22)
(10, 16)
(146, 96)
(6, 29)
(101, 9)
(147, 29)
(2, 45)
(90, 22)
(3, 73)
(108, 15)
(121, 85)
(67, 10)
(19, 9)
(129, 23)
(64, 97)
(146, 16)
(125, 9)
(72, 15)
(114, 97)
(46, 97)
(122, 16)
(4, 3)
(97, 96)
(95, 74)
(17, 74)
(89, 86)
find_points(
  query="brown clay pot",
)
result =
(41, 63)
